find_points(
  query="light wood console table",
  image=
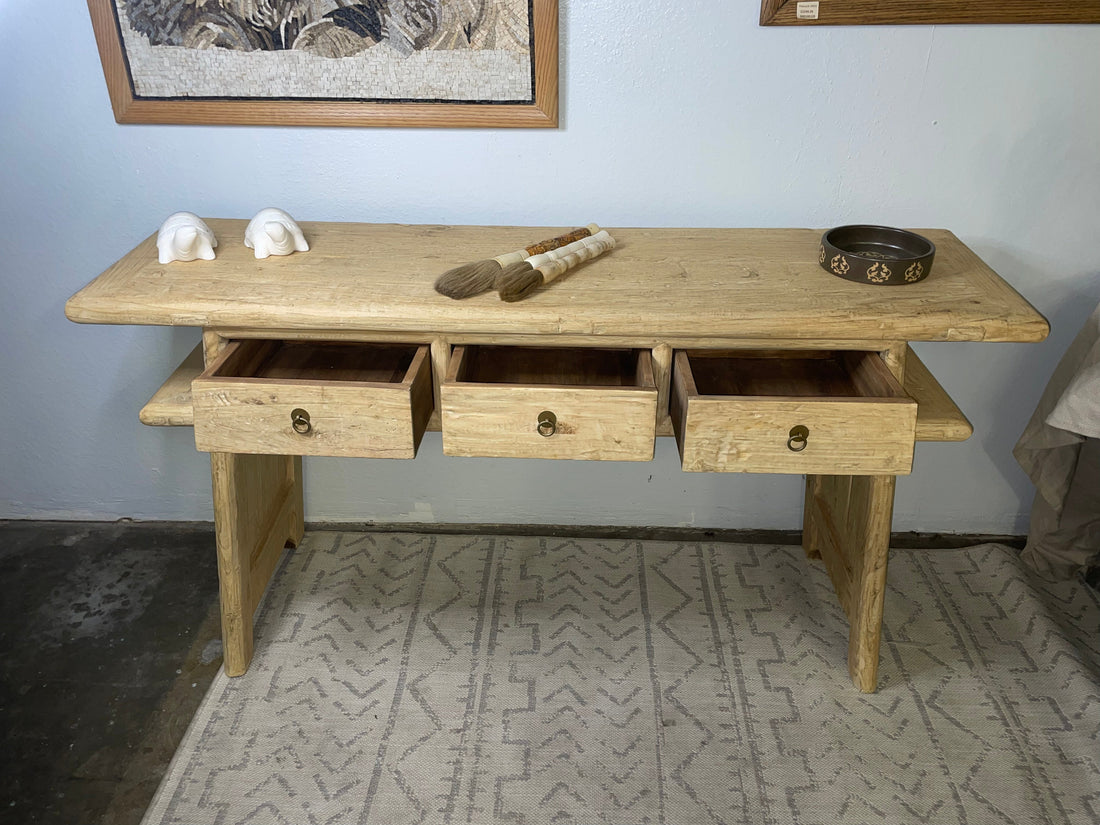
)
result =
(734, 341)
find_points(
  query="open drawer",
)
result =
(819, 412)
(314, 398)
(530, 402)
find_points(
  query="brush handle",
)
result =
(547, 245)
(562, 240)
(554, 263)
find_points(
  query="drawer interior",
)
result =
(319, 361)
(549, 366)
(791, 373)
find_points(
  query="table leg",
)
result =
(257, 512)
(847, 524)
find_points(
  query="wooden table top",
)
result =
(656, 284)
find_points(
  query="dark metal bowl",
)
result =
(878, 255)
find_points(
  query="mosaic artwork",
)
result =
(366, 50)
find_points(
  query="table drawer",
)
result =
(832, 413)
(314, 398)
(528, 402)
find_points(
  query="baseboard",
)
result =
(900, 541)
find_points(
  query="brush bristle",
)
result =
(468, 280)
(511, 272)
(518, 284)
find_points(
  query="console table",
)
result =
(734, 341)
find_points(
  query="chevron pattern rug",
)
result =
(405, 678)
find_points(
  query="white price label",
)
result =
(807, 10)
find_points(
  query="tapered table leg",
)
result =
(257, 512)
(847, 524)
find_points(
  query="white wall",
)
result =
(686, 114)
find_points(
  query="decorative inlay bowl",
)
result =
(879, 255)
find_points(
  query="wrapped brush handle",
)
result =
(556, 262)
(542, 247)
(519, 280)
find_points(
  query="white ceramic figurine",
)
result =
(273, 232)
(184, 236)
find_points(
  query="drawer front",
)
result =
(307, 415)
(791, 434)
(536, 420)
(755, 435)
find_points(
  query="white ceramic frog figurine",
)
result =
(184, 236)
(273, 232)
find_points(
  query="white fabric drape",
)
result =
(1060, 451)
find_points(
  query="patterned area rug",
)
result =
(407, 678)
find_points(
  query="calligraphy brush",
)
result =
(472, 279)
(519, 280)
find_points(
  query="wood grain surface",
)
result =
(740, 418)
(600, 415)
(657, 286)
(170, 405)
(258, 506)
(249, 411)
(901, 12)
(938, 416)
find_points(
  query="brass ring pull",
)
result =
(548, 424)
(798, 438)
(299, 420)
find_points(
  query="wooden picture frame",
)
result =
(540, 110)
(926, 12)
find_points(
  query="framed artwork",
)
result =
(898, 12)
(438, 63)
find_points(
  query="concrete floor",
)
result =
(109, 638)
